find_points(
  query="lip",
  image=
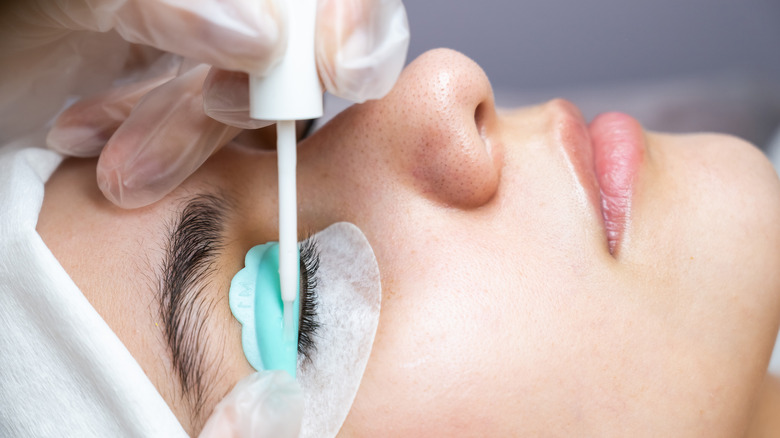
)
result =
(618, 151)
(606, 155)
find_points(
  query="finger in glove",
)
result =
(226, 99)
(266, 404)
(164, 140)
(84, 128)
(361, 46)
(244, 35)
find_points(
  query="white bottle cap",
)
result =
(291, 91)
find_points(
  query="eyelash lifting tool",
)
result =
(290, 92)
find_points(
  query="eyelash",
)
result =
(308, 325)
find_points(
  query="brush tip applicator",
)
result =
(290, 92)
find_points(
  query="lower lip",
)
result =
(618, 150)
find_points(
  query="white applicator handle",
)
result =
(288, 221)
(291, 91)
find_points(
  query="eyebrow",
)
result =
(194, 242)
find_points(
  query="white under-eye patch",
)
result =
(349, 298)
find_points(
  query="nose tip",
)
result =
(445, 104)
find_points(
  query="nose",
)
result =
(434, 131)
(446, 114)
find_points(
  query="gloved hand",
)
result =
(146, 115)
(266, 404)
(54, 49)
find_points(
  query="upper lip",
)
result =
(574, 137)
(608, 185)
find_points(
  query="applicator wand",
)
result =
(290, 92)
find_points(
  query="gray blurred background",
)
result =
(555, 43)
(677, 65)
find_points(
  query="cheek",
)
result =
(442, 358)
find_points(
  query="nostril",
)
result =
(484, 116)
(479, 119)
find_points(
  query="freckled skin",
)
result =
(503, 312)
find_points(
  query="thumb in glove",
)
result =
(266, 404)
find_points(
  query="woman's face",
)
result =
(538, 276)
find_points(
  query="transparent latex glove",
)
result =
(53, 51)
(266, 404)
(155, 133)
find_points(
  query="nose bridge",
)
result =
(445, 118)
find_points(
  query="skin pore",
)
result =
(504, 312)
